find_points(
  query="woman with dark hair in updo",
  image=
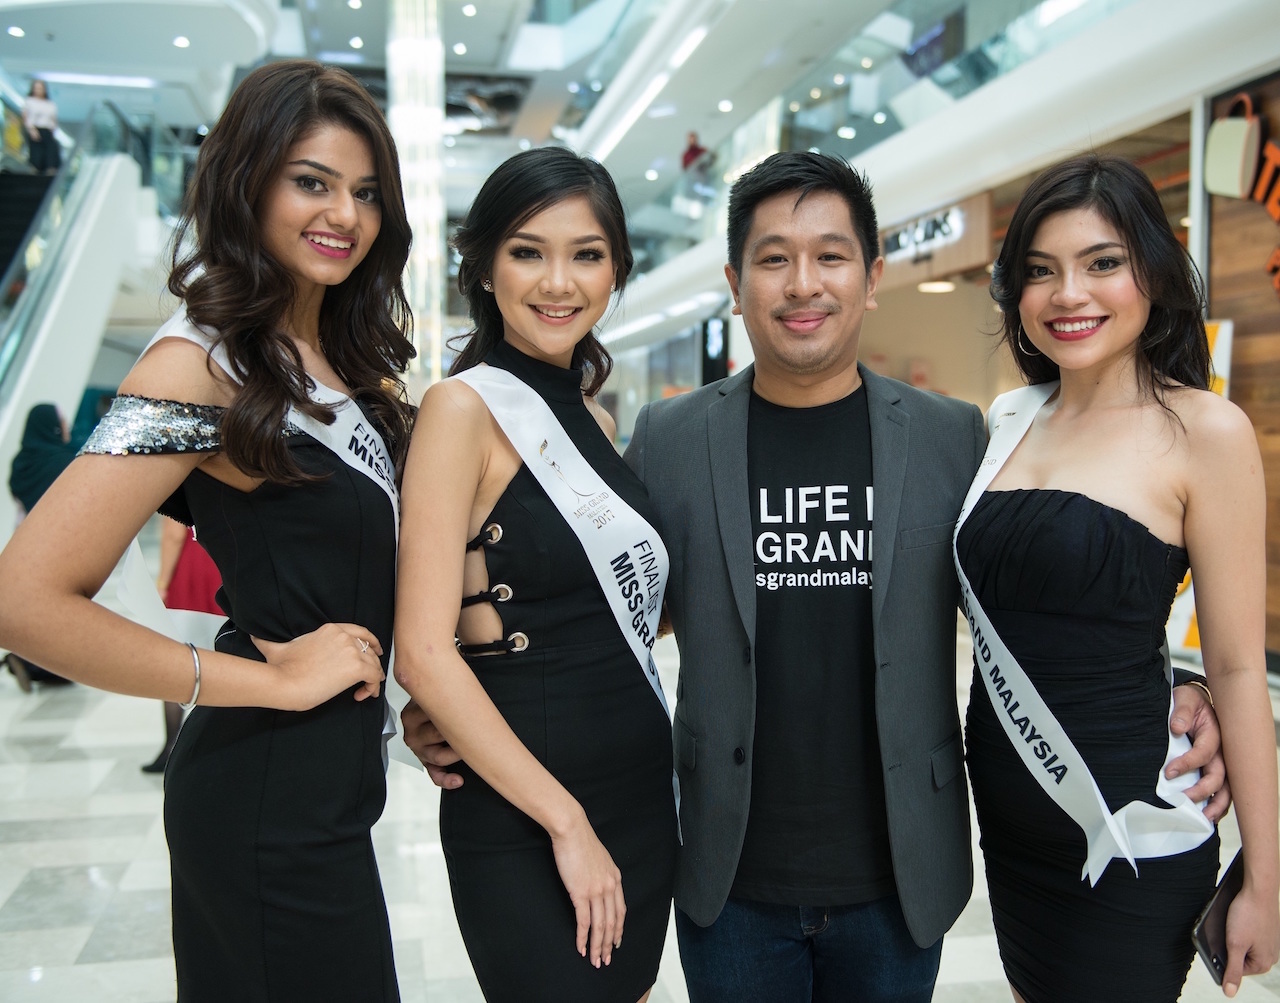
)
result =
(1108, 476)
(268, 413)
(529, 540)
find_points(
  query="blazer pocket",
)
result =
(926, 536)
(947, 760)
(686, 745)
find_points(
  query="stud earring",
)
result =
(1023, 348)
(486, 285)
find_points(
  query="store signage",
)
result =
(923, 236)
(1239, 165)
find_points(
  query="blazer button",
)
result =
(739, 756)
(746, 655)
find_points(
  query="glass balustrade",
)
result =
(913, 61)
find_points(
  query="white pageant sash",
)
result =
(354, 441)
(1137, 829)
(627, 555)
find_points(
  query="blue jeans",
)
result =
(810, 954)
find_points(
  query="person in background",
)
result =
(269, 413)
(40, 118)
(1106, 478)
(692, 152)
(44, 454)
(189, 580)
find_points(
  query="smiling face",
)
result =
(803, 291)
(322, 213)
(552, 279)
(1081, 305)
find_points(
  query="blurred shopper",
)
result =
(261, 413)
(188, 580)
(44, 454)
(519, 513)
(1105, 479)
(40, 118)
(693, 152)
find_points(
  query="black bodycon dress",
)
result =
(579, 701)
(276, 895)
(1079, 592)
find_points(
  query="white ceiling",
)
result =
(750, 54)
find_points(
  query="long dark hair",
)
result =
(518, 190)
(232, 287)
(31, 91)
(1173, 348)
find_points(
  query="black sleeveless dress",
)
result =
(578, 700)
(1080, 593)
(276, 894)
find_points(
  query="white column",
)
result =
(415, 99)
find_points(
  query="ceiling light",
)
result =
(597, 86)
(879, 118)
(814, 149)
(937, 286)
(450, 140)
(356, 42)
(459, 48)
(574, 87)
(846, 132)
(685, 50)
(468, 10)
(182, 42)
(16, 32)
(794, 106)
(639, 324)
(661, 111)
(867, 62)
(355, 4)
(725, 106)
(838, 79)
(525, 144)
(815, 93)
(651, 175)
(1185, 222)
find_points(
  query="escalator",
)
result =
(20, 198)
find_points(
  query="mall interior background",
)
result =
(949, 106)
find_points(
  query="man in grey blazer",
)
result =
(809, 702)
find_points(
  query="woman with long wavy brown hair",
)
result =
(268, 413)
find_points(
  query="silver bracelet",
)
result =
(195, 692)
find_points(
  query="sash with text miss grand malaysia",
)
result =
(351, 438)
(1137, 829)
(625, 552)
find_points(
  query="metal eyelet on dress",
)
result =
(495, 532)
(519, 640)
(501, 592)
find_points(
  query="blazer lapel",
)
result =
(890, 434)
(727, 442)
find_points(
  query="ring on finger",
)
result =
(364, 646)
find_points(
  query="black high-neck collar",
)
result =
(545, 377)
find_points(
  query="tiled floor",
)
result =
(84, 906)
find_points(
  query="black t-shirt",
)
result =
(816, 834)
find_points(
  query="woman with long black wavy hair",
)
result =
(269, 413)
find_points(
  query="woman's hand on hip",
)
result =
(314, 667)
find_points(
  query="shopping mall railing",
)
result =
(106, 130)
(892, 75)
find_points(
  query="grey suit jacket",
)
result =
(691, 453)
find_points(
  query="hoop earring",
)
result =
(1023, 348)
(486, 285)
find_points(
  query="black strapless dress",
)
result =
(580, 703)
(1080, 593)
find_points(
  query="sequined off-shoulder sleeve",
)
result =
(143, 425)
